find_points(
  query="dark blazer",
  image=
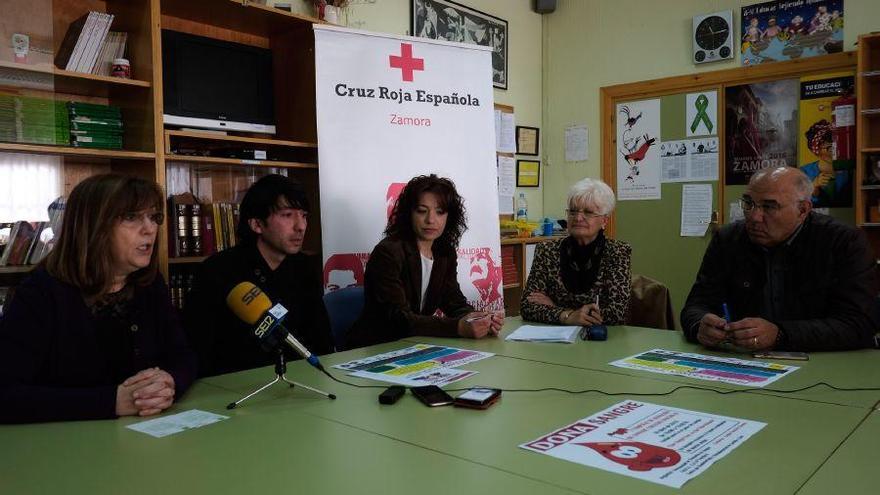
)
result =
(52, 365)
(224, 343)
(830, 285)
(392, 292)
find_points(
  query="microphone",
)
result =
(252, 306)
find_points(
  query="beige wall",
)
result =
(595, 43)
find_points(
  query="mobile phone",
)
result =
(797, 356)
(432, 395)
(478, 398)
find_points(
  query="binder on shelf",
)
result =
(73, 45)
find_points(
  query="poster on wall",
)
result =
(761, 127)
(638, 156)
(791, 29)
(832, 178)
(702, 113)
(390, 108)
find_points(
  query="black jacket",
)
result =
(393, 291)
(224, 343)
(829, 285)
(53, 364)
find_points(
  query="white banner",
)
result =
(390, 108)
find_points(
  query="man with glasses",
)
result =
(783, 278)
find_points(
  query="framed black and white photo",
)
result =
(447, 20)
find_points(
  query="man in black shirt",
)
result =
(787, 277)
(271, 228)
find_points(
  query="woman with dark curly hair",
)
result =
(412, 272)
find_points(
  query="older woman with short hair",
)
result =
(584, 278)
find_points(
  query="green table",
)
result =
(293, 440)
(852, 369)
(853, 468)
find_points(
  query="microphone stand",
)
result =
(280, 370)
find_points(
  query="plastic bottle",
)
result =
(522, 207)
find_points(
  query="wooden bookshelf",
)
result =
(186, 259)
(48, 149)
(148, 145)
(867, 200)
(238, 161)
(19, 269)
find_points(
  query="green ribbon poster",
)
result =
(702, 113)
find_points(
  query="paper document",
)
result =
(705, 367)
(533, 333)
(506, 176)
(176, 423)
(507, 138)
(696, 209)
(421, 364)
(577, 143)
(651, 442)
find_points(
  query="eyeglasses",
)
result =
(586, 213)
(132, 218)
(769, 208)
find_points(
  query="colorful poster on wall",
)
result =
(791, 29)
(638, 157)
(761, 128)
(832, 179)
(656, 443)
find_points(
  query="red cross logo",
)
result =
(406, 63)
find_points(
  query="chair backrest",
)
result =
(343, 307)
(650, 304)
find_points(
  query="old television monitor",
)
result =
(215, 84)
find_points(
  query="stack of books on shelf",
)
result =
(197, 229)
(27, 243)
(114, 47)
(95, 126)
(509, 274)
(25, 119)
(83, 45)
(181, 285)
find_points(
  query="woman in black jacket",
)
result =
(412, 272)
(91, 334)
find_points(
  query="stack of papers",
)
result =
(532, 333)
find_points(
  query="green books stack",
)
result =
(26, 119)
(42, 121)
(7, 119)
(95, 126)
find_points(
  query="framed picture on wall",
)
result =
(527, 140)
(447, 20)
(528, 173)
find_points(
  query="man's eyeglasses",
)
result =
(769, 208)
(586, 213)
(132, 217)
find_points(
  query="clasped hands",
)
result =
(584, 316)
(479, 324)
(748, 334)
(149, 392)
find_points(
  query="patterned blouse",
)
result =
(612, 284)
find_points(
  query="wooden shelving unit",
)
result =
(513, 291)
(868, 138)
(16, 269)
(147, 144)
(186, 259)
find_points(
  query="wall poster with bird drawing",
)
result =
(638, 158)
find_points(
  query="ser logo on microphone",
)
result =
(249, 296)
(265, 325)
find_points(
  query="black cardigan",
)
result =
(52, 366)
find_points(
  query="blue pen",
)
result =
(726, 312)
